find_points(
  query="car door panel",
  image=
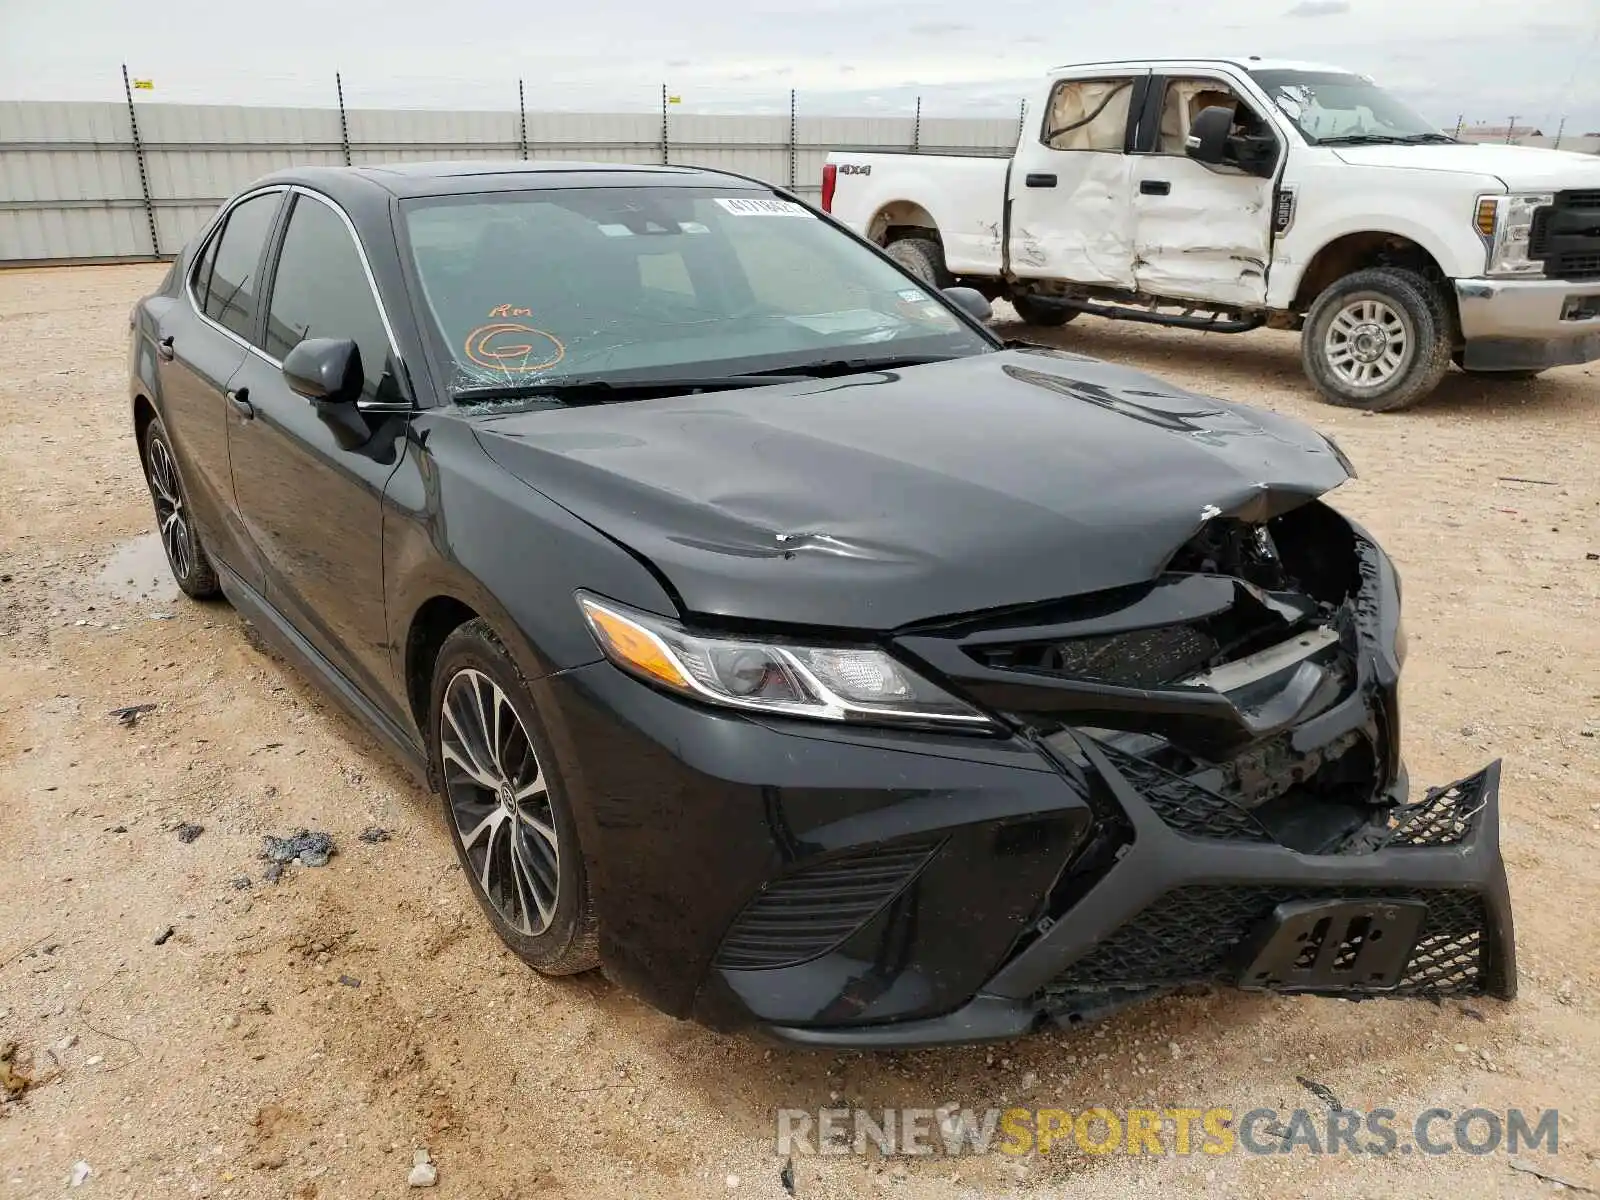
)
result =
(1070, 218)
(1199, 233)
(310, 495)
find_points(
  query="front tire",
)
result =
(923, 257)
(1036, 310)
(506, 806)
(1378, 339)
(186, 554)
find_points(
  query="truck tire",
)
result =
(1378, 339)
(923, 257)
(1037, 310)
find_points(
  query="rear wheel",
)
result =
(1378, 339)
(506, 806)
(923, 257)
(1038, 310)
(186, 555)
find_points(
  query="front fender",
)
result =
(457, 525)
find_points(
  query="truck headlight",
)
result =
(1506, 225)
(829, 683)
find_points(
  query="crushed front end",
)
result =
(1232, 732)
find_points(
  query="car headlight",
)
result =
(828, 683)
(1506, 225)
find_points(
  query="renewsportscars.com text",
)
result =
(950, 1130)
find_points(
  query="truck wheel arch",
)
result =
(901, 218)
(1352, 252)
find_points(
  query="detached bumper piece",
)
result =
(1414, 905)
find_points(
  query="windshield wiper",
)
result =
(823, 368)
(1418, 139)
(1363, 139)
(597, 390)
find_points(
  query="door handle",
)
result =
(241, 403)
(1040, 181)
(1155, 187)
(164, 350)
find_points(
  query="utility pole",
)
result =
(1460, 121)
(1560, 129)
(1510, 128)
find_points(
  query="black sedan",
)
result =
(780, 641)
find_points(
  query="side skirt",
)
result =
(255, 608)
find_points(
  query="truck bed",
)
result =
(963, 194)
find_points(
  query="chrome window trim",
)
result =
(366, 269)
(188, 280)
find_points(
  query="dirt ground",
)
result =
(300, 1039)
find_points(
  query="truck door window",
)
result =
(1185, 99)
(1088, 114)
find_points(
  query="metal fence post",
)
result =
(1460, 121)
(1560, 129)
(144, 175)
(344, 125)
(1022, 119)
(792, 146)
(916, 129)
(522, 116)
(665, 151)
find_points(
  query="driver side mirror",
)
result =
(1213, 143)
(970, 301)
(1208, 137)
(325, 370)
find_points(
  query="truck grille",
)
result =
(1566, 236)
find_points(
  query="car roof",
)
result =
(453, 177)
(1244, 62)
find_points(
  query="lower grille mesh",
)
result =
(809, 912)
(1190, 935)
(1185, 806)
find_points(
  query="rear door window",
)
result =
(233, 287)
(1089, 114)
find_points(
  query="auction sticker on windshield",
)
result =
(763, 207)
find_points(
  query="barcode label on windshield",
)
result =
(763, 207)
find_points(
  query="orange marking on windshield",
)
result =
(499, 347)
(505, 310)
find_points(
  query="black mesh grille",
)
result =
(1444, 817)
(1589, 199)
(1190, 935)
(813, 910)
(1143, 658)
(1186, 806)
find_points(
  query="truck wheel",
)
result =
(923, 257)
(1378, 339)
(1036, 310)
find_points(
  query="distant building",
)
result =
(1498, 133)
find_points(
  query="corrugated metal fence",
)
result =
(106, 182)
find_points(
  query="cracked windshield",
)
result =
(540, 288)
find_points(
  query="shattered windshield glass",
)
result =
(1332, 106)
(539, 287)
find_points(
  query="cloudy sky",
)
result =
(1487, 59)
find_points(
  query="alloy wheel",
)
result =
(1367, 343)
(171, 517)
(499, 800)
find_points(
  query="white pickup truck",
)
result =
(1228, 194)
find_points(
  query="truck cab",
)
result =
(1227, 194)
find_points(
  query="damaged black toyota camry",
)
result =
(781, 642)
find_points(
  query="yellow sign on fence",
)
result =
(145, 85)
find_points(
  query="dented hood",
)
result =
(877, 500)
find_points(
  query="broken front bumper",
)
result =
(1178, 909)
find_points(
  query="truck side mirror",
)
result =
(1208, 137)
